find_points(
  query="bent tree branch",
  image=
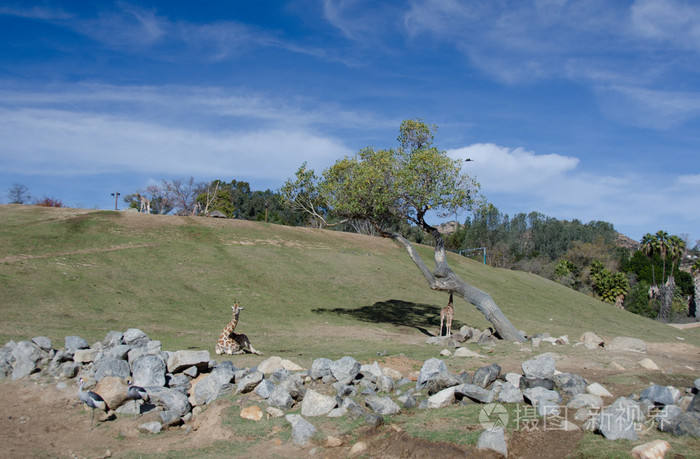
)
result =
(444, 279)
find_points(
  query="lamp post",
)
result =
(116, 199)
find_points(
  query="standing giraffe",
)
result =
(145, 204)
(234, 343)
(446, 315)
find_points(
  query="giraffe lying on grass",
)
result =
(234, 343)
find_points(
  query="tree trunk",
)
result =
(667, 291)
(696, 296)
(444, 279)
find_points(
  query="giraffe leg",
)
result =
(442, 317)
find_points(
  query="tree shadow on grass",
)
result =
(423, 317)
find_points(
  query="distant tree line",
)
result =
(19, 194)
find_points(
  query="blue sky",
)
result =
(587, 110)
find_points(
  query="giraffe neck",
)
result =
(231, 325)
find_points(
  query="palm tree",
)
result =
(676, 250)
(662, 245)
(695, 270)
(649, 248)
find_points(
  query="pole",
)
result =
(116, 199)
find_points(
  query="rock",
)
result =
(585, 400)
(648, 364)
(333, 442)
(569, 383)
(655, 449)
(86, 355)
(169, 418)
(320, 368)
(73, 343)
(135, 337)
(270, 364)
(179, 382)
(659, 395)
(171, 399)
(302, 430)
(445, 353)
(687, 423)
(465, 352)
(22, 368)
(597, 389)
(510, 394)
(618, 420)
(475, 392)
(393, 374)
(542, 366)
(513, 378)
(382, 405)
(113, 338)
(112, 390)
(527, 383)
(26, 350)
(345, 368)
(626, 344)
(441, 381)
(274, 412)
(249, 382)
(695, 403)
(696, 383)
(547, 408)
(213, 386)
(484, 376)
(373, 420)
(69, 369)
(152, 427)
(536, 394)
(295, 386)
(111, 367)
(357, 448)
(42, 342)
(667, 415)
(338, 412)
(493, 440)
(385, 384)
(316, 404)
(591, 341)
(280, 398)
(264, 389)
(252, 413)
(180, 360)
(618, 367)
(430, 368)
(149, 370)
(441, 399)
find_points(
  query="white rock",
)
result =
(599, 390)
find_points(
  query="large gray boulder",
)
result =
(135, 337)
(170, 399)
(345, 368)
(475, 392)
(280, 398)
(627, 344)
(317, 404)
(302, 430)
(320, 367)
(542, 367)
(111, 367)
(618, 421)
(214, 385)
(570, 384)
(73, 343)
(431, 368)
(149, 370)
(382, 405)
(659, 395)
(181, 360)
(249, 382)
(493, 440)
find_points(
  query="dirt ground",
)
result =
(41, 417)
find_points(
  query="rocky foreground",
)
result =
(181, 383)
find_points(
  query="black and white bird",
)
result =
(137, 392)
(91, 399)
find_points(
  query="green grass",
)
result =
(83, 272)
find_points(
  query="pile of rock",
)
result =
(179, 383)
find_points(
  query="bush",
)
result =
(638, 302)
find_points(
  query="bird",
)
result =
(91, 399)
(136, 392)
(468, 160)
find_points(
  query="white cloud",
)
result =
(670, 21)
(517, 180)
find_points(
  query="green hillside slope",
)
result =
(306, 292)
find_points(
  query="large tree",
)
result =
(406, 183)
(18, 194)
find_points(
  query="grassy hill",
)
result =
(307, 293)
